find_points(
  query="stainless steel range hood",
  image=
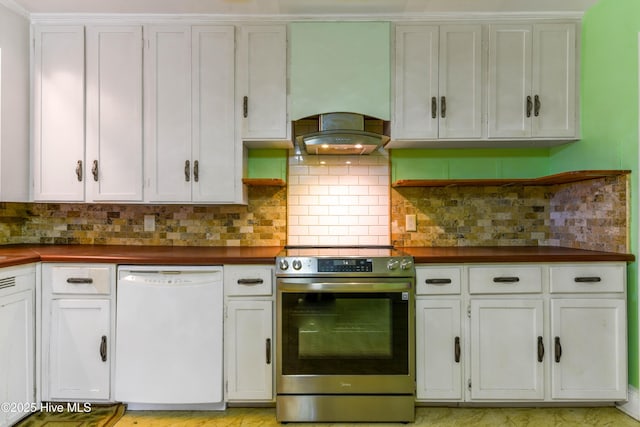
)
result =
(342, 134)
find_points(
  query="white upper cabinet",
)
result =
(114, 113)
(532, 81)
(262, 82)
(438, 82)
(58, 113)
(102, 156)
(190, 143)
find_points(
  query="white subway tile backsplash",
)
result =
(333, 202)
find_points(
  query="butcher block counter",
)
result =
(212, 255)
(476, 254)
(124, 254)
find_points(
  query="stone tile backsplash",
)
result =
(347, 204)
(261, 223)
(591, 215)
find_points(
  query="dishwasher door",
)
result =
(169, 337)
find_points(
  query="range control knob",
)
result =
(297, 264)
(392, 264)
(284, 264)
(406, 264)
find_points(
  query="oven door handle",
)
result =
(346, 286)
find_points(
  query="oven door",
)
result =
(347, 335)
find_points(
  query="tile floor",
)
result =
(433, 417)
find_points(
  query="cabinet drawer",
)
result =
(438, 280)
(80, 279)
(587, 278)
(242, 280)
(500, 279)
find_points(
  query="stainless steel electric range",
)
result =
(345, 327)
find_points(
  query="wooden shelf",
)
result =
(264, 182)
(559, 178)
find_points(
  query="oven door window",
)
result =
(328, 333)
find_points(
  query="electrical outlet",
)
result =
(410, 223)
(149, 223)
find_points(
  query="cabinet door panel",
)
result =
(114, 112)
(554, 77)
(460, 81)
(16, 351)
(263, 62)
(248, 327)
(76, 368)
(504, 349)
(58, 113)
(416, 83)
(592, 342)
(438, 373)
(167, 90)
(214, 142)
(509, 80)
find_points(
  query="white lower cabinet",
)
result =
(78, 314)
(79, 339)
(17, 331)
(588, 347)
(526, 332)
(249, 345)
(438, 358)
(506, 363)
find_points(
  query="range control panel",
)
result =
(341, 265)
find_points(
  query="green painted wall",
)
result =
(267, 163)
(469, 163)
(340, 66)
(609, 101)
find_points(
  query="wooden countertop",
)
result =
(470, 254)
(123, 254)
(189, 255)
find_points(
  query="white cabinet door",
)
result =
(416, 82)
(506, 339)
(554, 80)
(214, 143)
(167, 109)
(438, 86)
(79, 340)
(532, 81)
(262, 71)
(509, 92)
(190, 142)
(114, 113)
(249, 349)
(438, 349)
(16, 353)
(460, 82)
(589, 349)
(58, 113)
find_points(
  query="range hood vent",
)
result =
(341, 134)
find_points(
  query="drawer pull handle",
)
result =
(103, 348)
(529, 106)
(443, 107)
(456, 349)
(506, 279)
(437, 281)
(268, 351)
(594, 279)
(250, 281)
(245, 107)
(540, 349)
(558, 348)
(80, 280)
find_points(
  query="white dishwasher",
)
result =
(169, 337)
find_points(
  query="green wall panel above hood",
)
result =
(340, 67)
